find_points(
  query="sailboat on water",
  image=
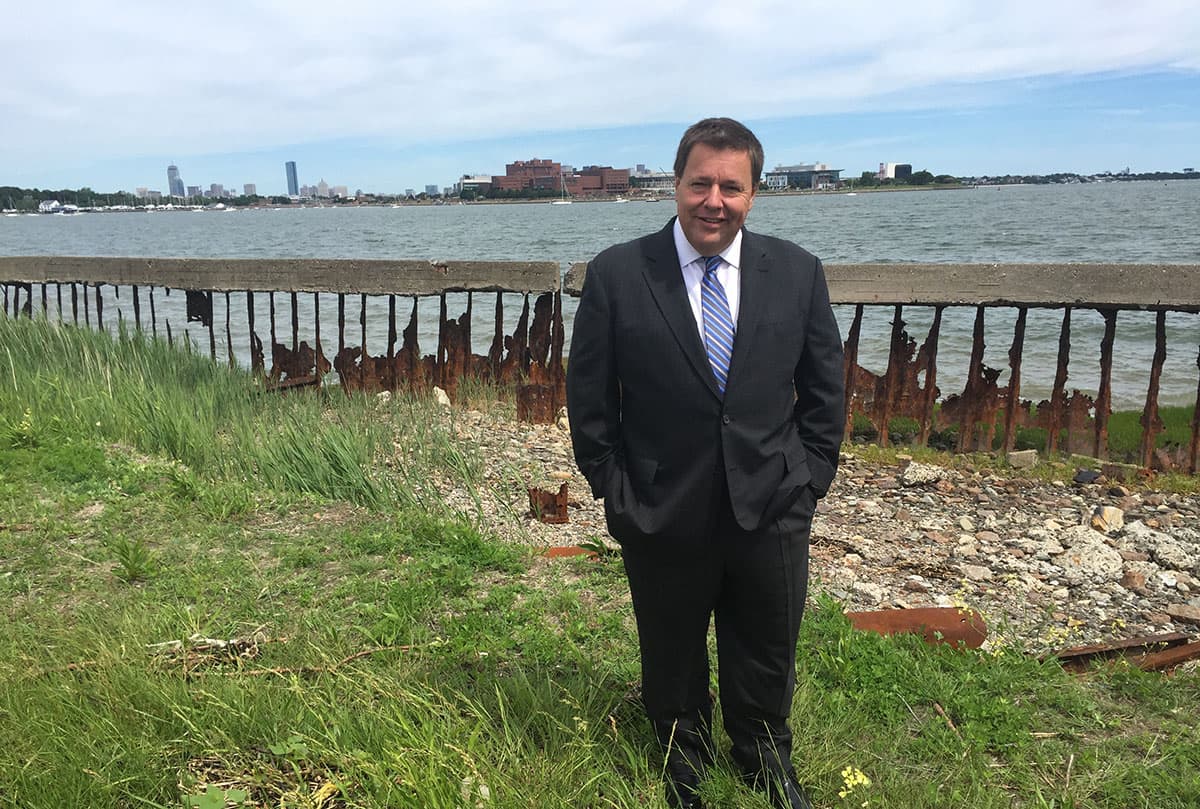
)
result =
(562, 186)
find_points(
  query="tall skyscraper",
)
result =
(293, 183)
(174, 183)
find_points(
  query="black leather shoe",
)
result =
(785, 793)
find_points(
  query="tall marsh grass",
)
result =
(59, 382)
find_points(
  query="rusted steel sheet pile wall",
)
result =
(530, 356)
(1075, 421)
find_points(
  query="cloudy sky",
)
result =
(384, 95)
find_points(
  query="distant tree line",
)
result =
(870, 179)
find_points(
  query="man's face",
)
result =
(713, 197)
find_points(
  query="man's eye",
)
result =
(699, 186)
(731, 190)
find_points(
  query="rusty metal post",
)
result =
(1194, 445)
(254, 366)
(45, 303)
(153, 316)
(1014, 380)
(1151, 422)
(229, 333)
(99, 309)
(74, 303)
(87, 314)
(341, 322)
(1058, 394)
(295, 322)
(362, 358)
(883, 401)
(496, 351)
(58, 293)
(391, 340)
(212, 328)
(320, 374)
(931, 349)
(851, 363)
(439, 363)
(973, 391)
(271, 301)
(137, 309)
(1104, 395)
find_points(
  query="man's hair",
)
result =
(720, 133)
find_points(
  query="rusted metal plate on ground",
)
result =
(935, 624)
(569, 551)
(549, 507)
(1135, 650)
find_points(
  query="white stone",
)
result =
(1090, 560)
(1022, 459)
(920, 474)
(440, 396)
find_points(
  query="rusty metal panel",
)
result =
(549, 507)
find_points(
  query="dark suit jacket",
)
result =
(648, 426)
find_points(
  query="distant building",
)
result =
(140, 192)
(250, 190)
(154, 196)
(478, 184)
(895, 171)
(322, 188)
(659, 182)
(408, 192)
(193, 190)
(593, 180)
(805, 176)
(174, 183)
(340, 191)
(523, 175)
(431, 190)
(292, 182)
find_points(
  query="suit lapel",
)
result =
(664, 277)
(753, 291)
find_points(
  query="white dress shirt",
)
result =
(729, 274)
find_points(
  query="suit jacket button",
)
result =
(725, 419)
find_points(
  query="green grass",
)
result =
(392, 653)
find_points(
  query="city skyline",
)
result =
(952, 87)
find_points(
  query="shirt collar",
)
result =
(732, 255)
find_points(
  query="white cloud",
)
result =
(134, 77)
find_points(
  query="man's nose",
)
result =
(713, 198)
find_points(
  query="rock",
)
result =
(562, 422)
(920, 474)
(1172, 554)
(1134, 580)
(1076, 533)
(976, 572)
(966, 523)
(1022, 459)
(1085, 476)
(440, 397)
(1107, 519)
(1090, 560)
(1184, 613)
(872, 593)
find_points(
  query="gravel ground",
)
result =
(1053, 564)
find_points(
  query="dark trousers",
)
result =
(754, 583)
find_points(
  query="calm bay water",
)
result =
(1118, 222)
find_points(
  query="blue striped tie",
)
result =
(718, 322)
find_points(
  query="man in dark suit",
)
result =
(705, 395)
